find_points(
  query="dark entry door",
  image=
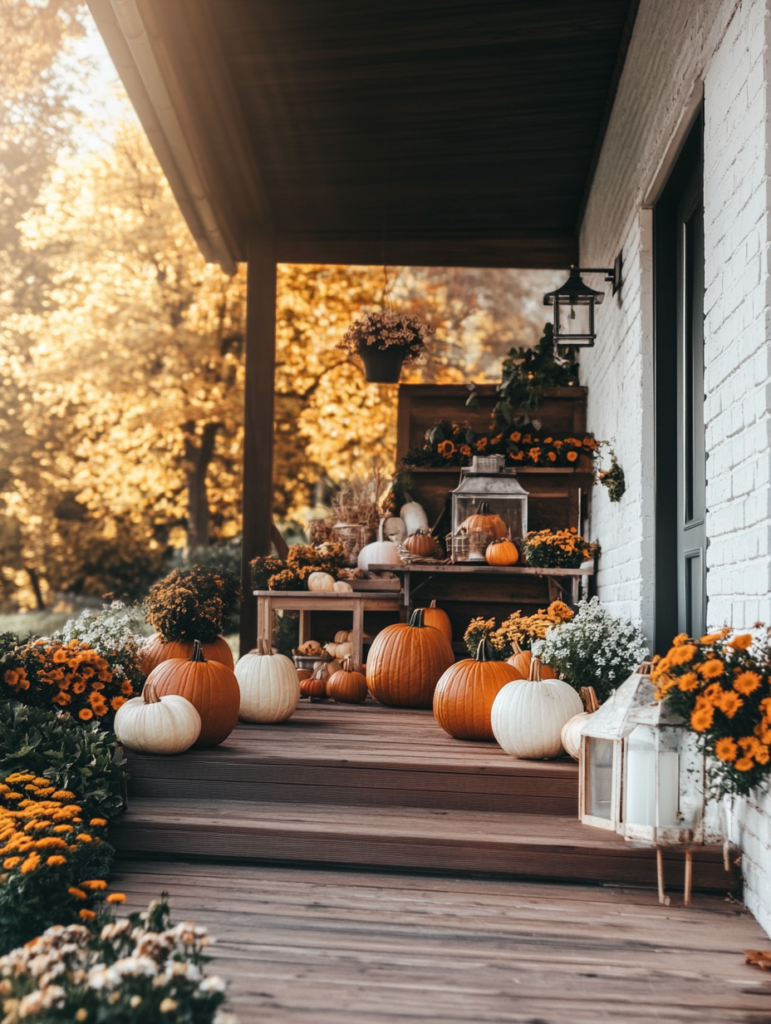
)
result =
(691, 461)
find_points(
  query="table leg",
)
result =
(358, 632)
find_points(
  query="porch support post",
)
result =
(258, 419)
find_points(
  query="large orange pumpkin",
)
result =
(156, 649)
(209, 685)
(464, 695)
(438, 619)
(486, 521)
(405, 663)
(520, 660)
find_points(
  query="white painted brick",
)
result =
(676, 45)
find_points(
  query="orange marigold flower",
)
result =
(535, 454)
(117, 702)
(747, 682)
(78, 687)
(55, 860)
(688, 682)
(62, 828)
(85, 714)
(763, 732)
(481, 444)
(681, 655)
(464, 450)
(710, 669)
(32, 863)
(63, 794)
(96, 884)
(59, 656)
(711, 638)
(515, 436)
(701, 718)
(11, 676)
(742, 642)
(729, 703)
(744, 764)
(84, 837)
(445, 448)
(762, 754)
(61, 698)
(551, 456)
(116, 897)
(726, 749)
(572, 456)
(680, 639)
(87, 915)
(77, 893)
(127, 688)
(713, 692)
(11, 862)
(98, 822)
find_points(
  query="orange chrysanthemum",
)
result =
(689, 681)
(729, 703)
(741, 643)
(711, 669)
(726, 749)
(747, 682)
(701, 718)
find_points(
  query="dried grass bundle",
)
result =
(358, 500)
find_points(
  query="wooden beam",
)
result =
(258, 420)
(548, 252)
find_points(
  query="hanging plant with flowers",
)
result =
(387, 329)
(720, 686)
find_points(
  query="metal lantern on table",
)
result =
(487, 491)
(642, 773)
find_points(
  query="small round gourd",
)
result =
(316, 686)
(528, 715)
(211, 686)
(502, 552)
(394, 529)
(157, 725)
(439, 619)
(420, 543)
(464, 696)
(572, 730)
(321, 582)
(270, 687)
(414, 516)
(342, 587)
(406, 661)
(380, 552)
(347, 686)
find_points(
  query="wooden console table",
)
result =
(304, 601)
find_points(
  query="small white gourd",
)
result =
(380, 552)
(394, 529)
(528, 715)
(341, 587)
(414, 516)
(572, 730)
(321, 581)
(157, 725)
(269, 684)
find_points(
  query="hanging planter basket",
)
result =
(382, 366)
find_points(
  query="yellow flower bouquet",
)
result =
(720, 685)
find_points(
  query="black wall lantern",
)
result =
(574, 305)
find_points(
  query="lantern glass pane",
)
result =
(599, 781)
(575, 319)
(651, 753)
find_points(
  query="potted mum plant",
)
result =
(385, 341)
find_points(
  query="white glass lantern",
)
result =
(489, 501)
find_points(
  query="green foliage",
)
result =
(527, 371)
(134, 970)
(80, 757)
(192, 603)
(613, 479)
(287, 635)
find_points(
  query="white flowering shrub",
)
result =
(593, 649)
(116, 633)
(133, 970)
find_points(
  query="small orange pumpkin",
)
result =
(406, 661)
(316, 686)
(464, 696)
(347, 686)
(502, 552)
(420, 543)
(439, 619)
(485, 521)
(156, 649)
(209, 685)
(521, 660)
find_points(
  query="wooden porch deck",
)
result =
(366, 786)
(323, 947)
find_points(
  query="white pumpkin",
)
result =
(341, 587)
(572, 730)
(528, 714)
(321, 581)
(269, 684)
(380, 552)
(157, 725)
(394, 529)
(414, 516)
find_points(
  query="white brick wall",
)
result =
(678, 48)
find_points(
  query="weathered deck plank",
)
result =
(326, 946)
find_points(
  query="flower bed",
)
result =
(455, 444)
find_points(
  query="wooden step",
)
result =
(412, 839)
(359, 755)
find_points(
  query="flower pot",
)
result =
(382, 366)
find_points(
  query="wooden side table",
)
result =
(270, 601)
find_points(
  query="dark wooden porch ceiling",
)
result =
(413, 131)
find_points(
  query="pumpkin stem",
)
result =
(433, 604)
(589, 697)
(515, 648)
(645, 668)
(417, 618)
(483, 652)
(348, 663)
(197, 654)
(484, 509)
(150, 693)
(535, 670)
(263, 646)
